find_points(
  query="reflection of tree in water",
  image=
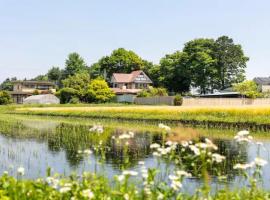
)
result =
(234, 153)
(138, 149)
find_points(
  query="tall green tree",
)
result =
(174, 73)
(54, 74)
(79, 82)
(7, 84)
(5, 98)
(74, 64)
(202, 63)
(120, 61)
(231, 62)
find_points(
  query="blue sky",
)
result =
(35, 35)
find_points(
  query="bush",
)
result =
(153, 92)
(178, 100)
(99, 92)
(67, 94)
(74, 100)
(5, 98)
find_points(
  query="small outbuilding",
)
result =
(42, 99)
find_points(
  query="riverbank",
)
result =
(252, 117)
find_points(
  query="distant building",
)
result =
(24, 89)
(42, 99)
(130, 83)
(226, 93)
(263, 83)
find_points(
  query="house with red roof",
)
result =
(123, 83)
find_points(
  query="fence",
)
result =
(224, 101)
(163, 100)
(125, 98)
(169, 100)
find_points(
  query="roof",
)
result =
(42, 99)
(262, 80)
(35, 82)
(125, 91)
(129, 78)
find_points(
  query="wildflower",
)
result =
(156, 154)
(131, 134)
(120, 178)
(88, 194)
(173, 177)
(160, 196)
(20, 171)
(53, 182)
(130, 172)
(243, 166)
(201, 145)
(88, 151)
(97, 128)
(64, 189)
(184, 143)
(243, 133)
(176, 185)
(126, 196)
(183, 173)
(154, 146)
(217, 157)
(210, 144)
(195, 150)
(141, 162)
(260, 162)
(124, 136)
(166, 128)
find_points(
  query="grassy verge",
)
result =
(249, 116)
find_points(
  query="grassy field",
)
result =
(250, 116)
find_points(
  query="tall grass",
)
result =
(249, 116)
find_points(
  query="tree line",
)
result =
(205, 63)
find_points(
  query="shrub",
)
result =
(74, 100)
(66, 95)
(5, 98)
(153, 92)
(99, 91)
(178, 100)
(36, 92)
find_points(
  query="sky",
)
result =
(36, 35)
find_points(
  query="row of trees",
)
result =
(206, 64)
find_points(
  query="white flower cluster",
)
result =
(163, 126)
(126, 173)
(66, 188)
(87, 193)
(257, 162)
(126, 135)
(176, 179)
(86, 151)
(160, 151)
(243, 136)
(20, 171)
(53, 182)
(97, 128)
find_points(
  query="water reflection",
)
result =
(37, 145)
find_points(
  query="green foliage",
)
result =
(231, 62)
(99, 91)
(35, 92)
(78, 82)
(74, 64)
(121, 60)
(215, 64)
(5, 98)
(178, 100)
(174, 73)
(151, 92)
(247, 88)
(40, 78)
(54, 74)
(67, 94)
(7, 84)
